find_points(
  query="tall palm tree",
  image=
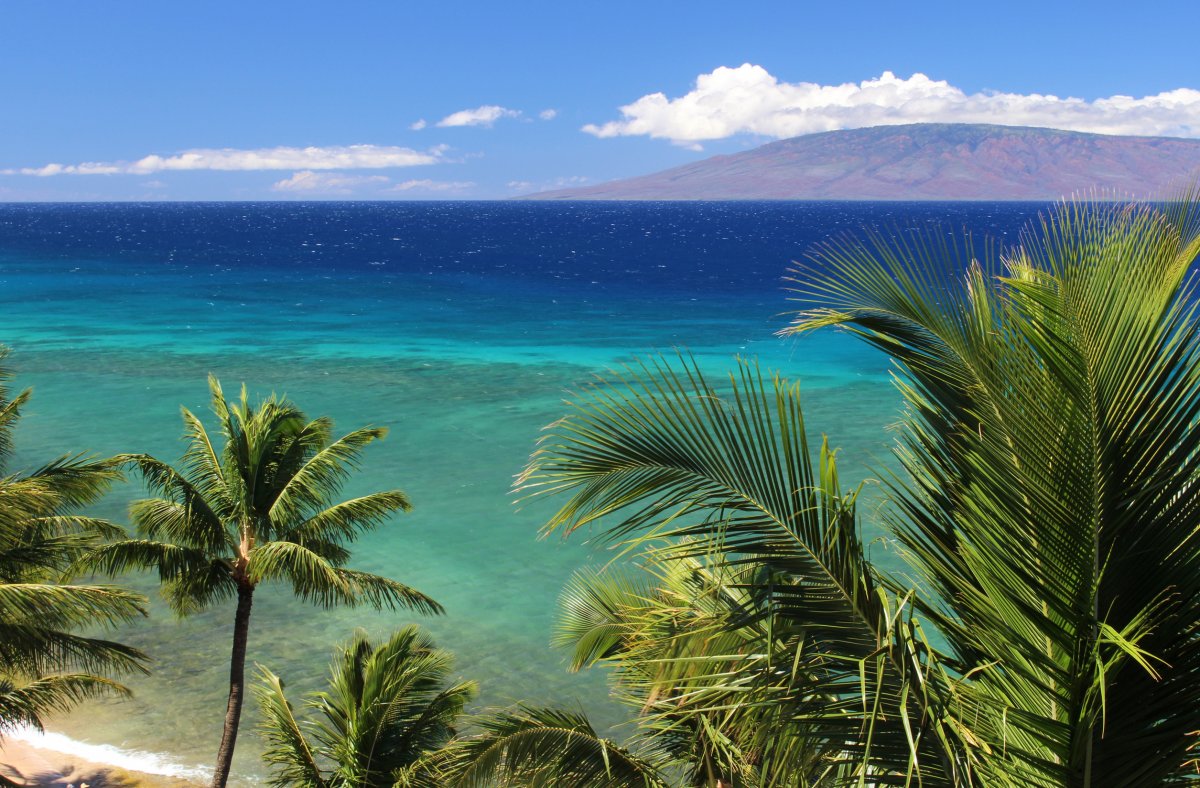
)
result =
(259, 507)
(45, 666)
(1046, 505)
(385, 707)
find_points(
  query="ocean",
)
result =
(461, 327)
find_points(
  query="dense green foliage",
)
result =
(1046, 633)
(45, 664)
(260, 506)
(384, 708)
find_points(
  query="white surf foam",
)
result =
(131, 760)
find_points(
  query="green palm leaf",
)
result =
(664, 456)
(1050, 453)
(46, 666)
(532, 746)
(387, 709)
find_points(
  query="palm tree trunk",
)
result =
(237, 682)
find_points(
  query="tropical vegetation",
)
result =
(46, 664)
(1045, 630)
(384, 709)
(258, 506)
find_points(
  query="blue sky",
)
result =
(305, 100)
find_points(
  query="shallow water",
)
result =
(460, 326)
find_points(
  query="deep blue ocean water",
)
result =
(461, 326)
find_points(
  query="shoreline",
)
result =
(52, 759)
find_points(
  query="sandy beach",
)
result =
(27, 764)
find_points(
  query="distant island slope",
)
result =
(926, 161)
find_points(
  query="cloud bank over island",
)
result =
(749, 100)
(347, 157)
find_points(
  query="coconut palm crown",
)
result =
(260, 506)
(384, 708)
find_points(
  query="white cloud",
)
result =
(327, 182)
(427, 185)
(347, 157)
(480, 116)
(748, 99)
(556, 183)
(418, 125)
(548, 114)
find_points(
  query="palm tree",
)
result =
(385, 707)
(258, 508)
(45, 666)
(1045, 504)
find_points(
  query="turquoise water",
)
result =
(461, 327)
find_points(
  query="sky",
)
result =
(421, 100)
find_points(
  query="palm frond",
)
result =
(286, 750)
(726, 475)
(1049, 450)
(183, 514)
(544, 746)
(347, 520)
(27, 704)
(321, 476)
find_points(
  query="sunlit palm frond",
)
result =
(1050, 454)
(663, 455)
(286, 749)
(313, 483)
(380, 592)
(347, 520)
(385, 709)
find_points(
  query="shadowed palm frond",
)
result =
(544, 746)
(25, 704)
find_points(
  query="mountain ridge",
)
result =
(923, 161)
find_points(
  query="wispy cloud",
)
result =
(417, 125)
(311, 182)
(548, 114)
(348, 157)
(748, 99)
(426, 185)
(522, 187)
(485, 116)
